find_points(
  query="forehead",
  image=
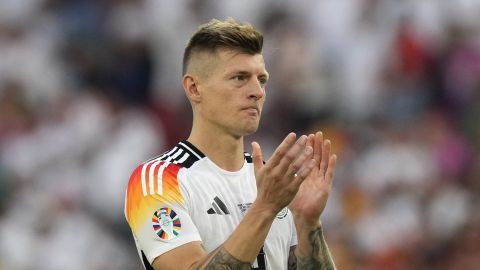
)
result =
(232, 60)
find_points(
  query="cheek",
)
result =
(261, 103)
(219, 105)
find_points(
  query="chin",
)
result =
(250, 130)
(247, 128)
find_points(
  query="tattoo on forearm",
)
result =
(222, 260)
(320, 258)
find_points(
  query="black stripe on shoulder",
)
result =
(190, 155)
(183, 154)
(194, 150)
(248, 157)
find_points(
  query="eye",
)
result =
(262, 81)
(239, 78)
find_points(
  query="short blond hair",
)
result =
(228, 34)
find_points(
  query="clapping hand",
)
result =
(311, 198)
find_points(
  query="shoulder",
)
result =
(156, 182)
(151, 175)
(184, 154)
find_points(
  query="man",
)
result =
(206, 204)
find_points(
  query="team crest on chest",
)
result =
(166, 223)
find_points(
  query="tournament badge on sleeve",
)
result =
(166, 223)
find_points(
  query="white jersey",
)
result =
(182, 196)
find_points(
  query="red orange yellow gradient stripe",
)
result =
(160, 177)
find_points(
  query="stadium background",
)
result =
(89, 88)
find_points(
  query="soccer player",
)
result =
(206, 204)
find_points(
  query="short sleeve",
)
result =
(156, 210)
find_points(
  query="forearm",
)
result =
(220, 258)
(312, 251)
(243, 245)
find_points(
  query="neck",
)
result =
(225, 150)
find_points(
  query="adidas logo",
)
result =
(218, 207)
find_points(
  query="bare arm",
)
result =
(319, 256)
(276, 187)
(316, 255)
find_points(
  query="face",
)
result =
(232, 92)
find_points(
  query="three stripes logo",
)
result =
(153, 169)
(218, 207)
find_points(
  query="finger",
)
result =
(304, 172)
(318, 146)
(311, 140)
(257, 156)
(325, 156)
(282, 149)
(332, 163)
(299, 162)
(292, 154)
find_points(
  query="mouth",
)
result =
(252, 110)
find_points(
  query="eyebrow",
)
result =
(243, 72)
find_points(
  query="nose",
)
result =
(256, 90)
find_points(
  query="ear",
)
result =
(190, 86)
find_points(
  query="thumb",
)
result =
(257, 157)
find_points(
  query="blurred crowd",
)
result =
(91, 88)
